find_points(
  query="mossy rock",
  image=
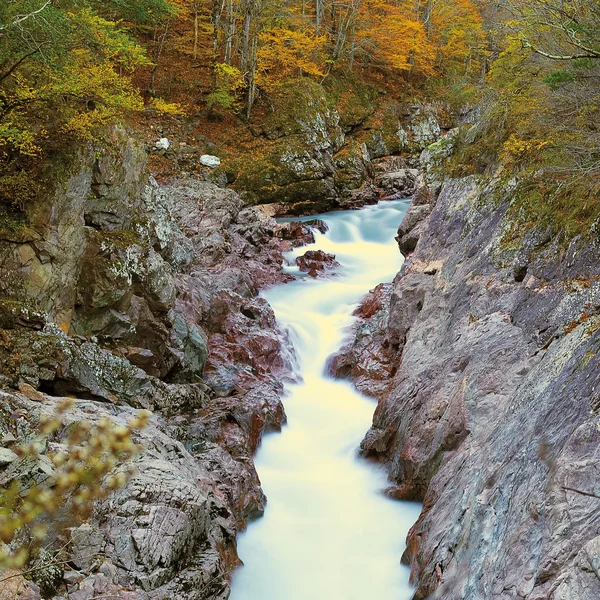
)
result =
(302, 107)
(287, 169)
(14, 313)
(382, 132)
(352, 167)
(356, 101)
(12, 220)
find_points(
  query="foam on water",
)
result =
(328, 532)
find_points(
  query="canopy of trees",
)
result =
(68, 67)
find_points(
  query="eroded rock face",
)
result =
(321, 148)
(366, 357)
(150, 301)
(491, 417)
(399, 184)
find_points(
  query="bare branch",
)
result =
(21, 18)
(570, 489)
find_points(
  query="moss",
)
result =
(301, 107)
(12, 219)
(120, 238)
(355, 100)
(567, 208)
(351, 169)
(278, 171)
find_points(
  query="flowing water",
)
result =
(328, 532)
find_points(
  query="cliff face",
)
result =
(124, 294)
(491, 415)
(320, 147)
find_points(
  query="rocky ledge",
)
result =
(124, 294)
(486, 364)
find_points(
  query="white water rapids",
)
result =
(328, 532)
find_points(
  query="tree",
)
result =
(556, 29)
(63, 76)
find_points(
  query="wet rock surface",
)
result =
(366, 357)
(315, 261)
(491, 414)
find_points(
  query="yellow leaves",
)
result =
(285, 52)
(23, 140)
(456, 29)
(107, 40)
(394, 36)
(82, 471)
(166, 108)
(516, 150)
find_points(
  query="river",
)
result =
(328, 533)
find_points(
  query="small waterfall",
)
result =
(329, 533)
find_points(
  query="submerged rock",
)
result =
(315, 261)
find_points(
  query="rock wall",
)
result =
(320, 148)
(124, 294)
(489, 416)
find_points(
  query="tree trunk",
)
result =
(196, 31)
(252, 78)
(246, 38)
(229, 31)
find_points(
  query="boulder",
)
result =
(399, 184)
(365, 357)
(409, 231)
(162, 144)
(315, 261)
(208, 160)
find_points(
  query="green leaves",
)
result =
(64, 76)
(558, 78)
(79, 471)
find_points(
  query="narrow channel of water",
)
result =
(328, 532)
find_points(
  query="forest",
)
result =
(68, 68)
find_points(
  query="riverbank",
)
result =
(490, 415)
(125, 294)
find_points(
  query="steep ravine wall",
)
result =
(123, 294)
(490, 412)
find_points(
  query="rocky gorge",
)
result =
(125, 294)
(482, 355)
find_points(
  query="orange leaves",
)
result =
(286, 53)
(456, 30)
(394, 35)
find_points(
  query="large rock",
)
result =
(315, 261)
(400, 183)
(365, 358)
(491, 415)
(150, 300)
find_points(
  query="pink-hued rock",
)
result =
(315, 261)
(365, 357)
